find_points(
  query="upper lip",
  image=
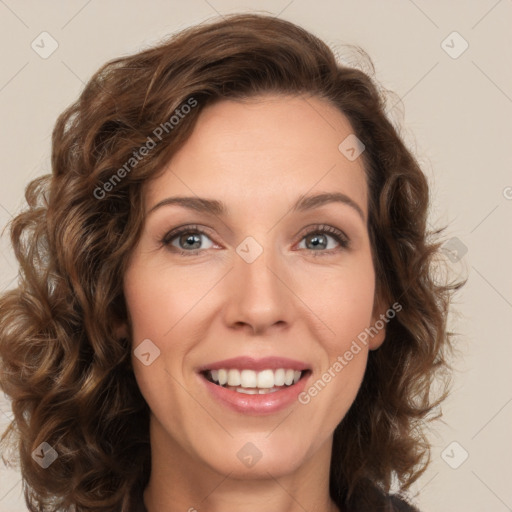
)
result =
(250, 363)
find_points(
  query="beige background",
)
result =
(458, 120)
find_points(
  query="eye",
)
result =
(186, 237)
(319, 238)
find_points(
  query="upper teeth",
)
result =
(250, 379)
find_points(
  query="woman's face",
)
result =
(257, 293)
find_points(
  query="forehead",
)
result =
(269, 147)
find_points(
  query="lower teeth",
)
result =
(253, 391)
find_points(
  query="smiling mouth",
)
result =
(251, 382)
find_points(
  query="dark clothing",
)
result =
(399, 505)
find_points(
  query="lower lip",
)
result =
(256, 404)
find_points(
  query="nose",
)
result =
(258, 296)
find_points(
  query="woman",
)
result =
(281, 361)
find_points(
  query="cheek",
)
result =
(343, 300)
(333, 390)
(161, 303)
(158, 298)
(344, 303)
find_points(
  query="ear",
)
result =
(378, 325)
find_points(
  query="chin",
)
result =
(256, 456)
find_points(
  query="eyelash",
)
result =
(338, 235)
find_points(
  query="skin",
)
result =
(257, 156)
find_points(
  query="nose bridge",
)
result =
(259, 296)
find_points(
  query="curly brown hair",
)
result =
(70, 378)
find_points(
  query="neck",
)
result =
(179, 482)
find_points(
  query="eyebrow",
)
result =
(303, 203)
